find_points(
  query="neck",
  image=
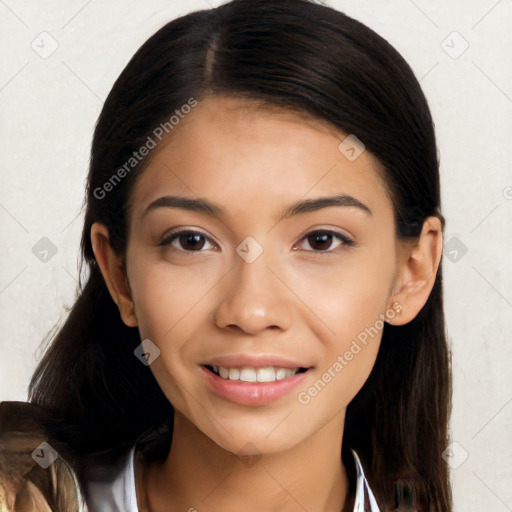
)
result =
(199, 475)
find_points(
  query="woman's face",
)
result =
(266, 281)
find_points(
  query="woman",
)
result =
(262, 323)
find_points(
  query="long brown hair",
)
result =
(299, 55)
(25, 485)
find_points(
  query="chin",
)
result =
(262, 440)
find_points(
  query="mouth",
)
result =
(254, 374)
(253, 385)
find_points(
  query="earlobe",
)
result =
(114, 273)
(417, 271)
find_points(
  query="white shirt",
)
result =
(120, 495)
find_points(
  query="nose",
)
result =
(254, 298)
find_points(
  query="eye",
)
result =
(322, 240)
(186, 240)
(194, 241)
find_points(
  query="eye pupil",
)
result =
(321, 239)
(193, 240)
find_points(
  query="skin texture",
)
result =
(300, 299)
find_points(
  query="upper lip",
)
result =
(255, 361)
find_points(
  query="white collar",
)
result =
(363, 490)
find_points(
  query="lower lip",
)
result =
(252, 393)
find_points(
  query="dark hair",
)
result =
(297, 55)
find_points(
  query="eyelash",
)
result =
(344, 239)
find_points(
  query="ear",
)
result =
(417, 271)
(113, 269)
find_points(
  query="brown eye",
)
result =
(321, 241)
(191, 241)
(186, 241)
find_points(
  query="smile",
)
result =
(251, 385)
(252, 374)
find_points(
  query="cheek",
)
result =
(348, 305)
(346, 296)
(167, 296)
(350, 334)
(169, 305)
(164, 306)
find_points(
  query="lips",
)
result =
(253, 380)
(254, 361)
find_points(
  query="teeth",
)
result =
(281, 373)
(249, 374)
(266, 375)
(234, 374)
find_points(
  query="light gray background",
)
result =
(49, 104)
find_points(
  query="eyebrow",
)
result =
(297, 208)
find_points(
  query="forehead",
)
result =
(230, 148)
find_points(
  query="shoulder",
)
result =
(33, 473)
